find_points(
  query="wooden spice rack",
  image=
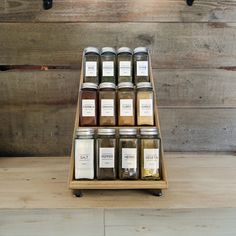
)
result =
(156, 186)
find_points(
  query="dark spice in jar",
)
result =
(91, 65)
(88, 104)
(128, 154)
(125, 65)
(107, 104)
(106, 154)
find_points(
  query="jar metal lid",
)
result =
(128, 131)
(91, 50)
(149, 131)
(140, 49)
(85, 131)
(104, 131)
(124, 50)
(108, 49)
(142, 85)
(125, 85)
(106, 85)
(89, 86)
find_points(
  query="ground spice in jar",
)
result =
(150, 154)
(141, 65)
(84, 153)
(125, 65)
(91, 65)
(128, 154)
(108, 65)
(107, 104)
(88, 104)
(145, 104)
(106, 154)
(126, 104)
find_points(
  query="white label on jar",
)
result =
(129, 158)
(84, 158)
(126, 107)
(151, 158)
(107, 157)
(146, 107)
(142, 68)
(108, 68)
(107, 107)
(125, 68)
(88, 107)
(91, 68)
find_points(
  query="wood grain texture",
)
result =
(195, 181)
(183, 45)
(118, 11)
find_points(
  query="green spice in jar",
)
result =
(141, 65)
(107, 104)
(150, 154)
(128, 154)
(108, 64)
(106, 154)
(145, 111)
(125, 67)
(91, 65)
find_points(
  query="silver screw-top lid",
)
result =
(128, 131)
(149, 131)
(91, 50)
(142, 85)
(108, 49)
(125, 85)
(140, 49)
(107, 85)
(105, 131)
(84, 131)
(89, 86)
(124, 50)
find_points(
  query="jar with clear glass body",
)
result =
(126, 104)
(145, 104)
(107, 104)
(106, 154)
(141, 65)
(91, 65)
(150, 154)
(84, 153)
(125, 65)
(108, 65)
(128, 154)
(88, 104)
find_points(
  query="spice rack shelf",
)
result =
(155, 185)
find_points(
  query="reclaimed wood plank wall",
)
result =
(194, 60)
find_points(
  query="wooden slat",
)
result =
(118, 10)
(195, 181)
(172, 45)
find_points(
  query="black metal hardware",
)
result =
(190, 2)
(47, 4)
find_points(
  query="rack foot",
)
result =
(78, 193)
(156, 192)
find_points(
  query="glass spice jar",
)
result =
(126, 104)
(88, 104)
(91, 65)
(125, 67)
(84, 153)
(145, 111)
(141, 65)
(150, 153)
(106, 154)
(128, 154)
(108, 64)
(107, 104)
